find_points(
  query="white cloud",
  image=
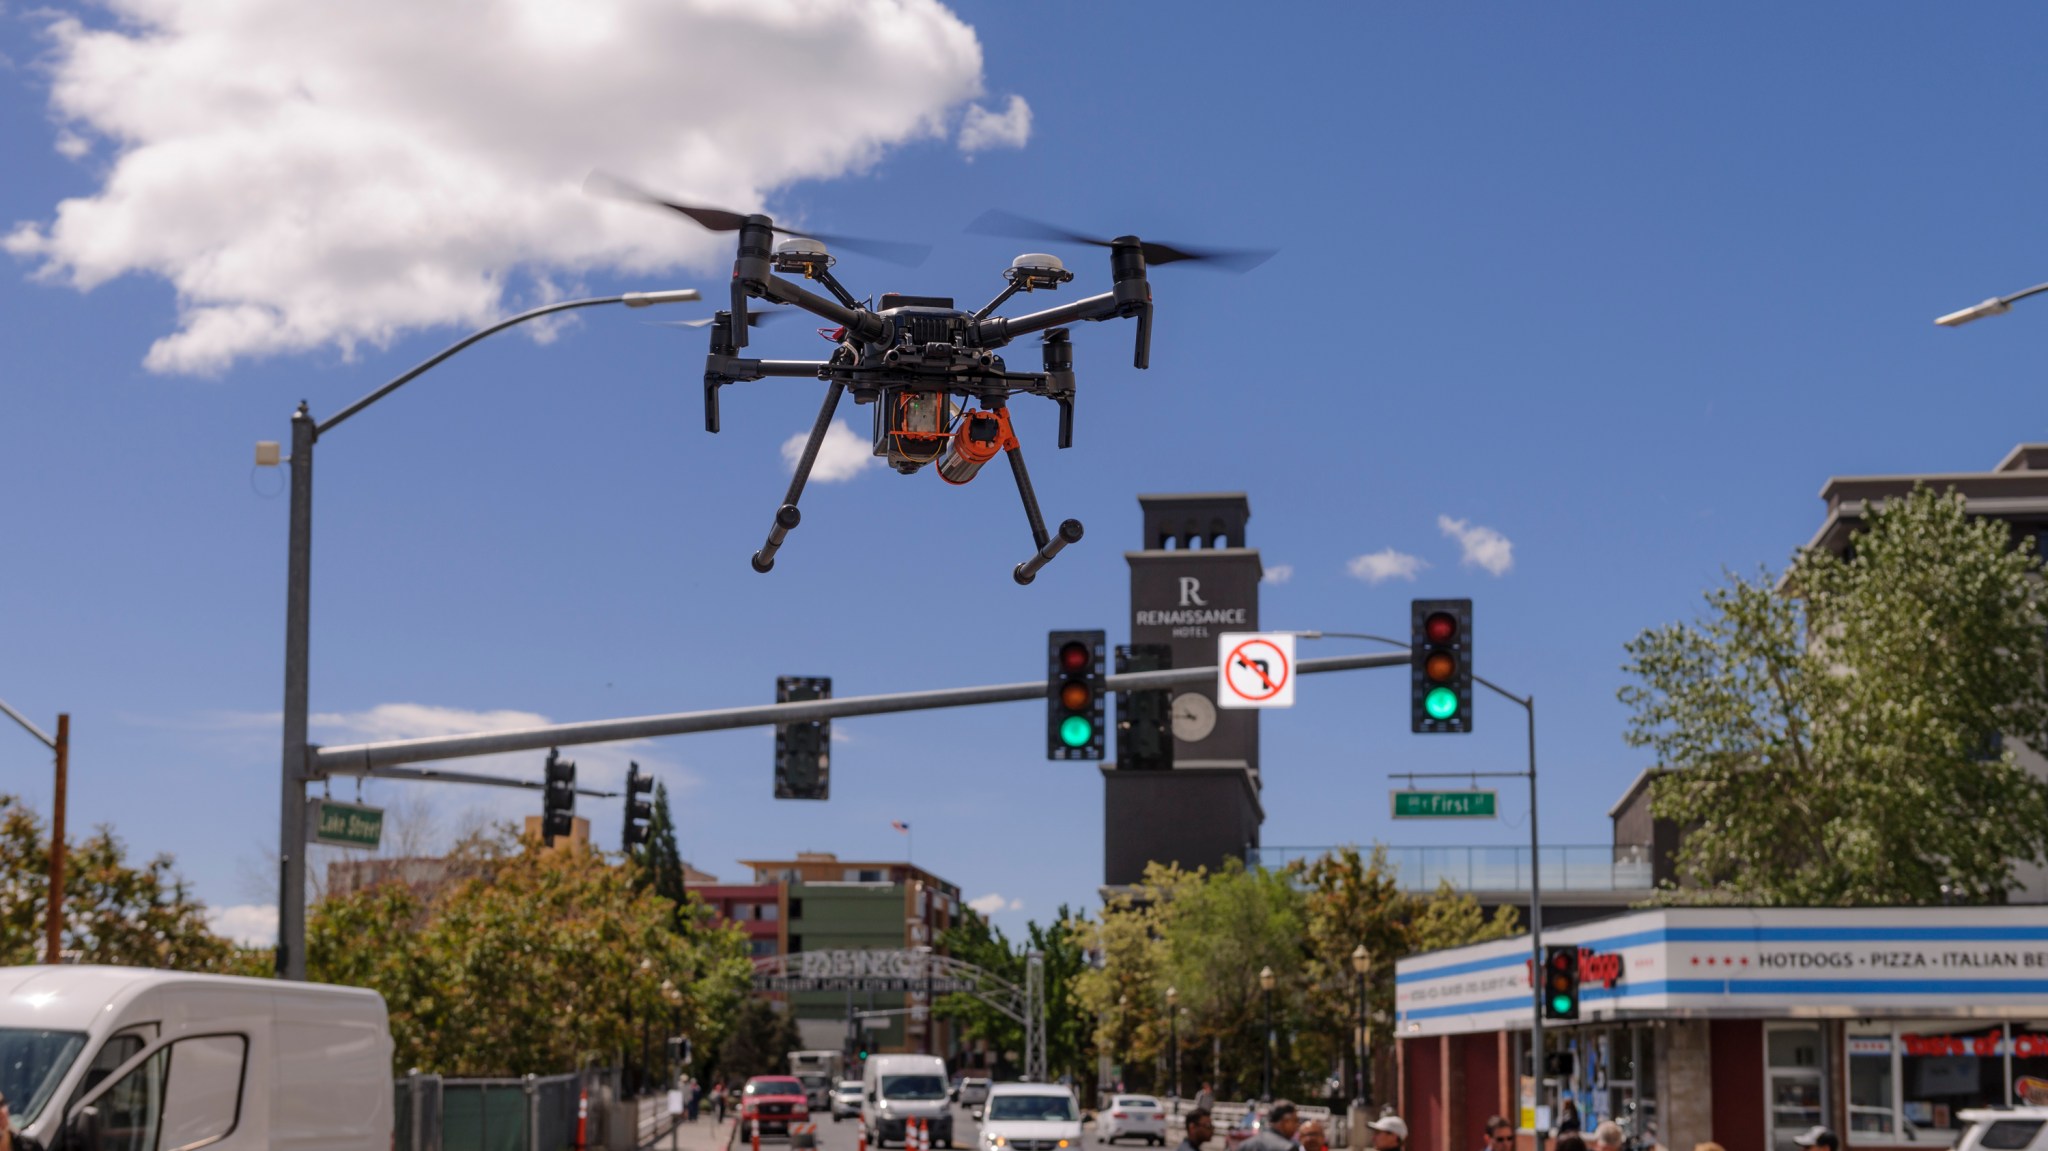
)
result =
(1278, 573)
(1384, 565)
(842, 456)
(1482, 546)
(982, 129)
(249, 924)
(334, 173)
(991, 903)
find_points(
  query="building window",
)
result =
(762, 948)
(870, 875)
(796, 944)
(1792, 1053)
(1872, 1096)
(768, 913)
(796, 909)
(742, 911)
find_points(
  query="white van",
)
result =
(96, 1058)
(896, 1089)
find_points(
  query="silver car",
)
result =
(846, 1100)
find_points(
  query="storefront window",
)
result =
(1944, 1069)
(1872, 1100)
(1793, 1053)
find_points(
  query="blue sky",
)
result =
(1623, 284)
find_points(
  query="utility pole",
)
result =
(53, 942)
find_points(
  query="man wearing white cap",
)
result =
(1389, 1133)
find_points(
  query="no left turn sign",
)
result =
(1255, 669)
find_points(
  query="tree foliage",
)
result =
(1068, 1047)
(540, 964)
(1208, 935)
(658, 863)
(114, 912)
(1833, 732)
(758, 1043)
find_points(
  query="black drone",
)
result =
(918, 359)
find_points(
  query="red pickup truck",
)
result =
(774, 1102)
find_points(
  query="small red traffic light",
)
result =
(1440, 627)
(1440, 666)
(1074, 657)
(1075, 696)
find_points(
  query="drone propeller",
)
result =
(996, 222)
(720, 220)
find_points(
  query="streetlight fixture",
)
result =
(291, 849)
(1995, 306)
(1173, 1041)
(1266, 985)
(53, 924)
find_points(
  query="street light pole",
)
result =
(1995, 306)
(1173, 1041)
(53, 927)
(1266, 984)
(295, 770)
(1361, 962)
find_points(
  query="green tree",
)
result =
(539, 964)
(1061, 945)
(1221, 929)
(114, 912)
(758, 1043)
(1831, 731)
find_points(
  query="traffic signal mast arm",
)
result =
(367, 758)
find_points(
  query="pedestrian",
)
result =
(1567, 1118)
(1819, 1136)
(1608, 1136)
(1201, 1128)
(1389, 1133)
(1205, 1099)
(1499, 1135)
(718, 1099)
(1570, 1142)
(1277, 1132)
(690, 1096)
(1312, 1137)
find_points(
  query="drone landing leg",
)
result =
(786, 516)
(1048, 545)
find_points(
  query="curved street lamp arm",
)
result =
(1995, 306)
(630, 299)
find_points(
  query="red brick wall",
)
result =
(1738, 1081)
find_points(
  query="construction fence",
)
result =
(534, 1113)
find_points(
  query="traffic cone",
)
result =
(757, 1135)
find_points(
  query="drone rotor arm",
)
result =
(996, 331)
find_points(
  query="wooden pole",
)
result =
(53, 946)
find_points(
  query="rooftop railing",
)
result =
(1566, 867)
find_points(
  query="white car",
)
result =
(973, 1091)
(1132, 1117)
(1030, 1117)
(846, 1100)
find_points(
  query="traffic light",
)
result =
(1073, 695)
(639, 811)
(1561, 982)
(1440, 665)
(803, 751)
(558, 798)
(1144, 732)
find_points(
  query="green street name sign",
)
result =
(1443, 805)
(347, 824)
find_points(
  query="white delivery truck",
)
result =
(98, 1058)
(897, 1089)
(818, 1071)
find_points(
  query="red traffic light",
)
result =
(1440, 627)
(1075, 657)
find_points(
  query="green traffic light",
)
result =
(1561, 1004)
(1076, 731)
(1440, 703)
